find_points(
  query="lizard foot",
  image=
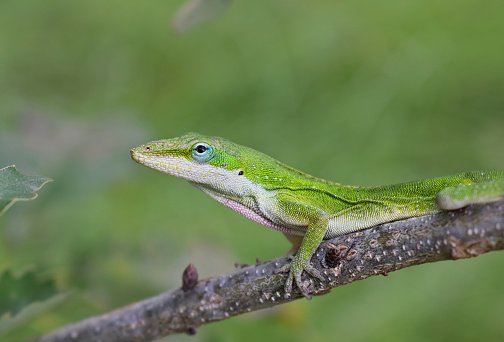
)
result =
(295, 270)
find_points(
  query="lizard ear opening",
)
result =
(240, 173)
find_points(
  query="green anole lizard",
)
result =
(305, 208)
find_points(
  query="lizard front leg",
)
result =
(316, 221)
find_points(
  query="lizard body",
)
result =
(305, 208)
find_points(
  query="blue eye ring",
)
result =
(202, 151)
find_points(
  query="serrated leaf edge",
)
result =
(14, 200)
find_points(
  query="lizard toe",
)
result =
(314, 272)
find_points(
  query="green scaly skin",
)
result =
(299, 205)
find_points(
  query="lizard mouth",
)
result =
(135, 156)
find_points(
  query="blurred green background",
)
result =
(359, 92)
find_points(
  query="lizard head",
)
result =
(197, 158)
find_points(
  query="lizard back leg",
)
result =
(459, 196)
(295, 240)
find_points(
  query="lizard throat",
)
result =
(250, 213)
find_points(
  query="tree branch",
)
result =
(385, 248)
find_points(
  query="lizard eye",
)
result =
(202, 151)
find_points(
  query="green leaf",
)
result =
(195, 12)
(24, 297)
(17, 187)
(18, 292)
